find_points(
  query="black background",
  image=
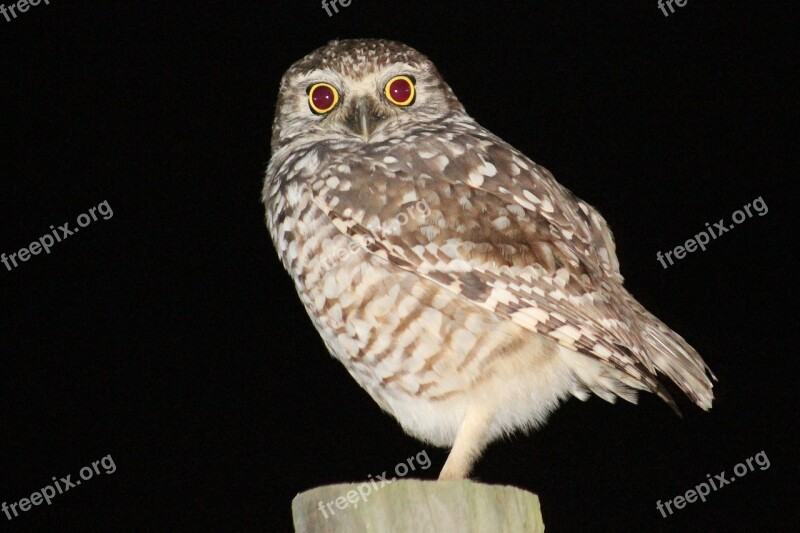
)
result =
(169, 337)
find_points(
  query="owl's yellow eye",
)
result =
(322, 97)
(400, 91)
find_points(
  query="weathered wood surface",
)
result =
(410, 505)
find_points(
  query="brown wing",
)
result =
(473, 215)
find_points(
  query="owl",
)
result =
(461, 286)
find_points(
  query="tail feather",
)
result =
(656, 350)
(673, 357)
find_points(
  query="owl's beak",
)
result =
(363, 117)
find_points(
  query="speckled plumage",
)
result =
(497, 295)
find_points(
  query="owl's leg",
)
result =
(471, 439)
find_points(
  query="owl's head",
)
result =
(366, 90)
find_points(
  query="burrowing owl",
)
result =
(459, 284)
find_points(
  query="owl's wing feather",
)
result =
(478, 218)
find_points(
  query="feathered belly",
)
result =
(422, 352)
